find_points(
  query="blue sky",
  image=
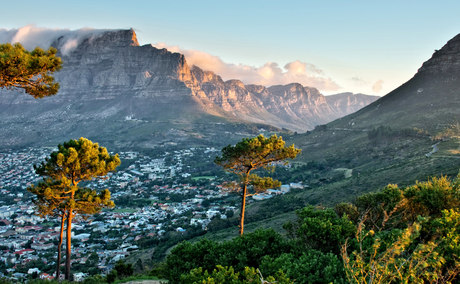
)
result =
(336, 46)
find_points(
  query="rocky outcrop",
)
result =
(447, 59)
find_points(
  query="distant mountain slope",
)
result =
(430, 100)
(115, 91)
(378, 143)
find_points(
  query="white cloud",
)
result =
(268, 74)
(31, 36)
(377, 87)
(357, 81)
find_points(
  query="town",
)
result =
(154, 196)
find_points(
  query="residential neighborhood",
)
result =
(154, 197)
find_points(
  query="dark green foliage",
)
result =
(139, 266)
(377, 205)
(227, 275)
(112, 276)
(131, 202)
(320, 229)
(120, 271)
(158, 270)
(322, 127)
(349, 210)
(229, 213)
(312, 267)
(247, 250)
(96, 279)
(92, 263)
(206, 203)
(218, 224)
(30, 71)
(123, 269)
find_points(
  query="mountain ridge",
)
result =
(108, 77)
(290, 106)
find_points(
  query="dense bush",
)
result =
(227, 275)
(244, 251)
(312, 267)
(320, 229)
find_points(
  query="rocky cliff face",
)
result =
(110, 86)
(112, 89)
(291, 106)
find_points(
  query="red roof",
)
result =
(24, 251)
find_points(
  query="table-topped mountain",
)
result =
(115, 91)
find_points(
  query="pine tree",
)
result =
(74, 162)
(30, 71)
(251, 154)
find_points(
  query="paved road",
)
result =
(435, 149)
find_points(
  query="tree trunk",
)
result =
(61, 238)
(243, 206)
(68, 244)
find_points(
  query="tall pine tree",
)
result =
(74, 162)
(251, 154)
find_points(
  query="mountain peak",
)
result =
(446, 59)
(95, 39)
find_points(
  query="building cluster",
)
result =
(170, 206)
(16, 167)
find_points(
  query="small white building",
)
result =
(296, 185)
(211, 213)
(32, 270)
(79, 276)
(285, 188)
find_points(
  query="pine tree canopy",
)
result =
(30, 71)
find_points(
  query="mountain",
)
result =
(292, 106)
(390, 140)
(117, 92)
(430, 100)
(113, 91)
